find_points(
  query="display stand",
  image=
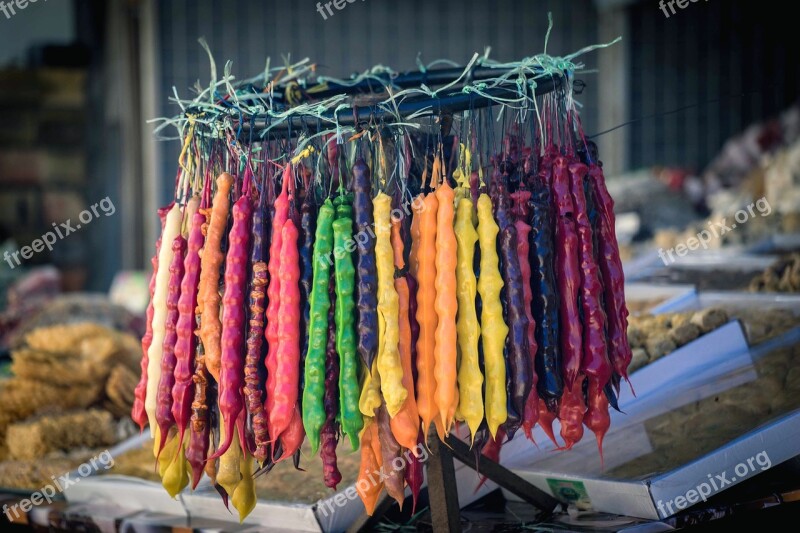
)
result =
(442, 485)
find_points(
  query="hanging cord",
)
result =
(720, 99)
(216, 116)
(373, 73)
(324, 105)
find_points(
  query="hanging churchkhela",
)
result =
(364, 283)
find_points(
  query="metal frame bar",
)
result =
(430, 78)
(453, 102)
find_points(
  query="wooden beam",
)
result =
(502, 476)
(442, 487)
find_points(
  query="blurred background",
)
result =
(696, 113)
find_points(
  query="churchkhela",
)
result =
(366, 284)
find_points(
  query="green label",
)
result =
(573, 492)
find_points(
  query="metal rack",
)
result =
(454, 100)
(430, 78)
(442, 486)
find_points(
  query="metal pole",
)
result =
(453, 102)
(431, 78)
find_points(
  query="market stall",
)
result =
(415, 300)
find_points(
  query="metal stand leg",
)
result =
(503, 476)
(442, 488)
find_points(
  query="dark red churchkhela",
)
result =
(330, 430)
(613, 276)
(568, 274)
(182, 390)
(231, 382)
(164, 417)
(595, 364)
